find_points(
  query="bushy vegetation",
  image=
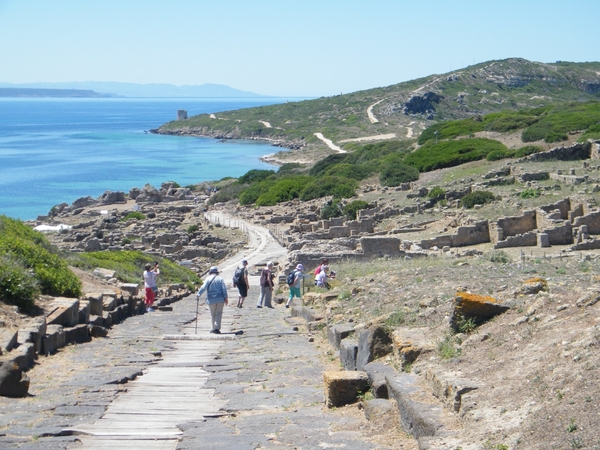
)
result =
(135, 215)
(432, 156)
(331, 209)
(477, 198)
(129, 266)
(29, 266)
(352, 208)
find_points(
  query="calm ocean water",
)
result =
(55, 150)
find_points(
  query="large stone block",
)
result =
(336, 333)
(24, 355)
(132, 288)
(53, 339)
(309, 315)
(448, 388)
(64, 311)
(377, 373)
(8, 340)
(348, 352)
(95, 301)
(77, 334)
(343, 388)
(373, 343)
(410, 343)
(478, 308)
(12, 381)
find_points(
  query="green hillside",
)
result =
(405, 109)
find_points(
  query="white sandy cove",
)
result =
(329, 143)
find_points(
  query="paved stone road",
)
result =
(268, 382)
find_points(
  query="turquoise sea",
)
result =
(57, 150)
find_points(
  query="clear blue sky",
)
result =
(284, 47)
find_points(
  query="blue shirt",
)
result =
(217, 290)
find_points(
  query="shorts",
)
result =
(295, 292)
(149, 296)
(243, 290)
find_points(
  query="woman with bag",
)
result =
(266, 287)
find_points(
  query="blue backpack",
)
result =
(291, 277)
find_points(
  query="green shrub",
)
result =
(129, 266)
(255, 175)
(433, 156)
(192, 229)
(451, 129)
(477, 198)
(529, 193)
(331, 209)
(436, 193)
(397, 174)
(527, 150)
(290, 168)
(226, 193)
(338, 187)
(18, 285)
(30, 250)
(352, 208)
(283, 190)
(500, 257)
(353, 171)
(136, 215)
(497, 155)
(250, 194)
(321, 166)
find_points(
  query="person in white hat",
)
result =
(295, 286)
(216, 297)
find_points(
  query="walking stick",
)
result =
(197, 302)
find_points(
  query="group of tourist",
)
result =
(216, 289)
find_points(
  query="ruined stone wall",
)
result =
(575, 152)
(592, 221)
(563, 205)
(471, 235)
(548, 219)
(513, 226)
(561, 235)
(438, 241)
(528, 239)
(380, 246)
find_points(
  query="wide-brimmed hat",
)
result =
(213, 269)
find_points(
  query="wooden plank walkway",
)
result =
(170, 393)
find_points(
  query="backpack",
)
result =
(238, 276)
(318, 269)
(291, 277)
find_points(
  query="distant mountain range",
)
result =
(115, 89)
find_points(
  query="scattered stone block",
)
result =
(109, 303)
(449, 389)
(377, 373)
(53, 339)
(95, 302)
(132, 288)
(65, 312)
(12, 381)
(104, 273)
(24, 355)
(474, 307)
(97, 331)
(77, 334)
(336, 333)
(373, 343)
(533, 286)
(418, 418)
(84, 311)
(343, 388)
(309, 315)
(410, 343)
(8, 340)
(348, 352)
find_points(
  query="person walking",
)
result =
(266, 287)
(216, 297)
(240, 280)
(156, 270)
(149, 285)
(295, 286)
